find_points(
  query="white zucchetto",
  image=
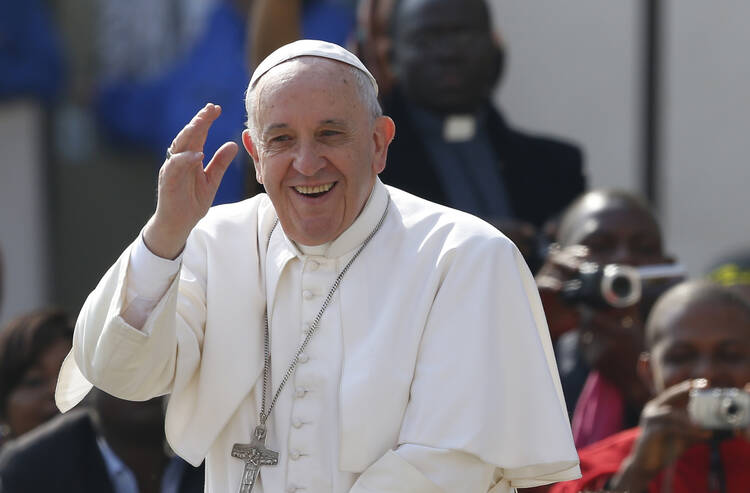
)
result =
(309, 47)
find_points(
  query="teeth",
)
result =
(316, 189)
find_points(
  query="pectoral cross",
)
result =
(254, 454)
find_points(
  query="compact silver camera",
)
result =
(615, 285)
(719, 408)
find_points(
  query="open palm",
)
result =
(186, 190)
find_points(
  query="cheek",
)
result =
(738, 372)
(271, 173)
(667, 375)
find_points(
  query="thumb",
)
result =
(219, 163)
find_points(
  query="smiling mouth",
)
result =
(314, 190)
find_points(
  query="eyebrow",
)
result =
(329, 121)
(333, 121)
(272, 127)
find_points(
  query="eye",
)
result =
(280, 138)
(645, 246)
(679, 356)
(732, 356)
(599, 245)
(330, 133)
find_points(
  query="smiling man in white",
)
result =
(334, 334)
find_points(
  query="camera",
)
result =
(719, 408)
(615, 285)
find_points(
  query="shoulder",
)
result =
(236, 222)
(619, 443)
(49, 443)
(235, 214)
(603, 458)
(600, 461)
(536, 144)
(428, 223)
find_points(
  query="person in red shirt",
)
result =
(697, 336)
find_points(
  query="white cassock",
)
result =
(431, 370)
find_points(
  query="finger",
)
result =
(181, 161)
(678, 395)
(669, 424)
(219, 163)
(567, 260)
(547, 282)
(580, 251)
(193, 136)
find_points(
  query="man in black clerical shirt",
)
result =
(453, 146)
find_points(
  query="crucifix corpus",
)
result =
(254, 454)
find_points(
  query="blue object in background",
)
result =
(151, 113)
(31, 62)
(330, 20)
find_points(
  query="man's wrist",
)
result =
(161, 242)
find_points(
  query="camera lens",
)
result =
(732, 409)
(621, 286)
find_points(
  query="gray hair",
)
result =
(365, 89)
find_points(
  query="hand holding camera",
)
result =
(569, 279)
(719, 408)
(681, 416)
(615, 285)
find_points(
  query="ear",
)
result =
(383, 134)
(645, 372)
(252, 149)
(498, 61)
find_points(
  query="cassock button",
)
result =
(297, 423)
(306, 327)
(303, 358)
(295, 454)
(313, 265)
(300, 392)
(307, 294)
(291, 489)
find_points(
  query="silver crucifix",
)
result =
(254, 454)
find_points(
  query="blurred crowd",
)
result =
(654, 366)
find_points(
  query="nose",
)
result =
(622, 255)
(712, 371)
(308, 159)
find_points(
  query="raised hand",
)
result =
(561, 265)
(186, 190)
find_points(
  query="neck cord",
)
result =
(716, 478)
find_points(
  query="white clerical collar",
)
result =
(355, 234)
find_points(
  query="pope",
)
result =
(333, 334)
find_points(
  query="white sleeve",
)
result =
(147, 281)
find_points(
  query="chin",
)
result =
(313, 236)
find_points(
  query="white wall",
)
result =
(707, 129)
(23, 227)
(573, 70)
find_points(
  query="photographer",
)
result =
(697, 338)
(597, 345)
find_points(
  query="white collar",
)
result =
(354, 235)
(281, 249)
